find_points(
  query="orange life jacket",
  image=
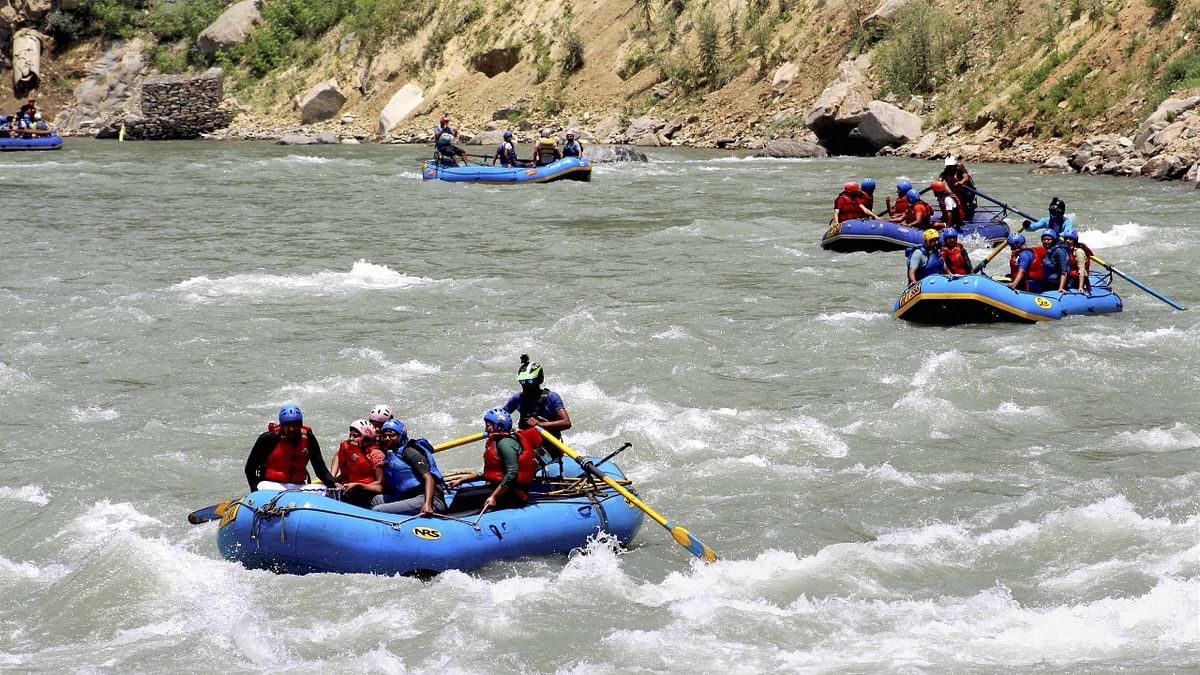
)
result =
(922, 211)
(866, 199)
(354, 463)
(956, 259)
(901, 205)
(493, 468)
(288, 462)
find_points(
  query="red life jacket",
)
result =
(922, 211)
(1012, 263)
(288, 462)
(866, 199)
(1073, 275)
(354, 463)
(1035, 267)
(901, 205)
(493, 469)
(956, 259)
(847, 207)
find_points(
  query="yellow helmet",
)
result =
(930, 235)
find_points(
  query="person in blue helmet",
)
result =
(954, 254)
(1080, 256)
(1020, 263)
(1057, 222)
(926, 260)
(280, 457)
(1056, 263)
(897, 210)
(506, 152)
(412, 481)
(537, 406)
(867, 187)
(919, 213)
(509, 463)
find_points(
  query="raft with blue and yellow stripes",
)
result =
(567, 168)
(978, 298)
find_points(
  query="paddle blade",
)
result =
(214, 512)
(686, 540)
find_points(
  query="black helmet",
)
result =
(530, 373)
(1057, 207)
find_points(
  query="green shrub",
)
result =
(572, 58)
(924, 48)
(376, 21)
(168, 61)
(1182, 73)
(1163, 9)
(709, 41)
(170, 21)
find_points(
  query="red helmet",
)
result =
(850, 187)
(444, 121)
(938, 186)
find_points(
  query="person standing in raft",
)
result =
(952, 214)
(280, 457)
(926, 260)
(412, 482)
(358, 465)
(509, 462)
(954, 173)
(538, 407)
(444, 137)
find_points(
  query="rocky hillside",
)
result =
(1012, 80)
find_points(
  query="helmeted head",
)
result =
(444, 120)
(1071, 236)
(363, 429)
(545, 133)
(507, 135)
(290, 414)
(380, 414)
(903, 187)
(571, 134)
(913, 196)
(394, 433)
(500, 420)
(868, 185)
(37, 117)
(1057, 207)
(950, 161)
(938, 186)
(1049, 238)
(950, 233)
(1016, 240)
(530, 373)
(850, 187)
(930, 236)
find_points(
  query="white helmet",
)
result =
(380, 413)
(363, 427)
(37, 116)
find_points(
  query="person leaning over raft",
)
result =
(412, 482)
(509, 463)
(280, 457)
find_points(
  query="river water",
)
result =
(884, 496)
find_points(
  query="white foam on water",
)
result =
(362, 276)
(103, 523)
(93, 413)
(1178, 437)
(14, 381)
(839, 318)
(13, 573)
(1120, 235)
(671, 333)
(30, 494)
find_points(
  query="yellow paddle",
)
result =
(681, 535)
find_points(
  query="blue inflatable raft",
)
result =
(567, 168)
(300, 532)
(881, 235)
(978, 298)
(44, 141)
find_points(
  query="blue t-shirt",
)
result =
(547, 410)
(1044, 224)
(1024, 259)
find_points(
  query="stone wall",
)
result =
(180, 106)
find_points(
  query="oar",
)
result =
(216, 511)
(681, 536)
(999, 203)
(1139, 284)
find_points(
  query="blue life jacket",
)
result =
(399, 479)
(932, 266)
(572, 149)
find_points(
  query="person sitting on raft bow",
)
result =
(280, 457)
(509, 462)
(850, 204)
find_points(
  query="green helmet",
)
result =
(531, 373)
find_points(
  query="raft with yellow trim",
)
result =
(299, 532)
(567, 168)
(978, 298)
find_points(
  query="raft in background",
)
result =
(50, 141)
(881, 235)
(567, 168)
(300, 532)
(978, 298)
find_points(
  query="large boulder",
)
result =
(114, 84)
(792, 147)
(401, 105)
(26, 60)
(784, 76)
(231, 28)
(493, 137)
(883, 124)
(840, 107)
(600, 154)
(878, 20)
(495, 61)
(606, 127)
(321, 102)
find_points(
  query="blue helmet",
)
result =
(500, 419)
(507, 135)
(903, 187)
(1072, 235)
(912, 196)
(868, 185)
(1052, 234)
(1015, 240)
(398, 427)
(289, 414)
(950, 232)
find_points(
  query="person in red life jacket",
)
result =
(378, 415)
(358, 465)
(954, 254)
(280, 457)
(509, 461)
(1020, 263)
(851, 204)
(867, 189)
(919, 212)
(896, 211)
(952, 215)
(412, 481)
(1080, 258)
